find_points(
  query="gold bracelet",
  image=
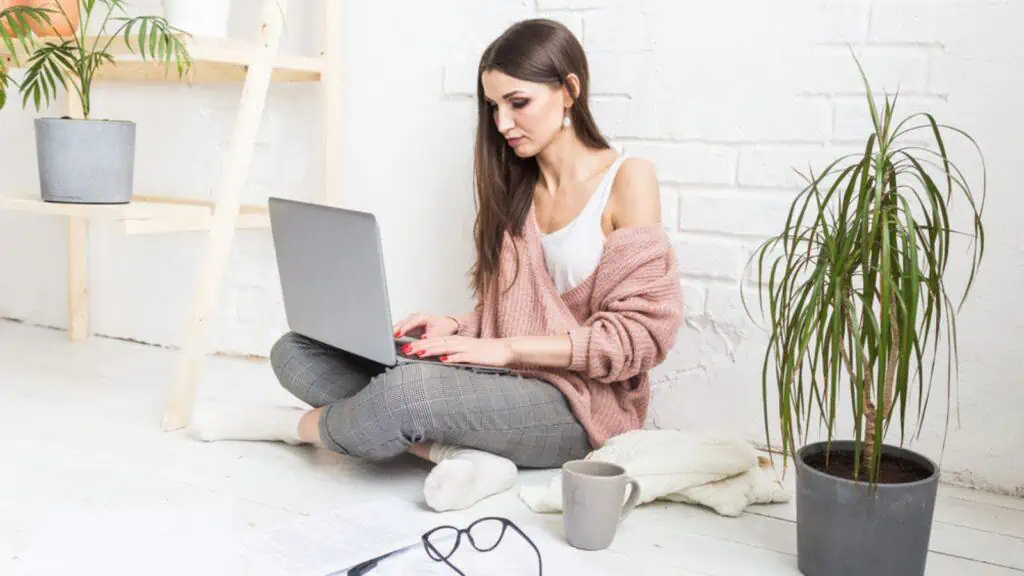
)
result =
(458, 325)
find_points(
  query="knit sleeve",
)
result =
(636, 309)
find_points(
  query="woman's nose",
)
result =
(504, 121)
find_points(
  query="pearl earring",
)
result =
(566, 122)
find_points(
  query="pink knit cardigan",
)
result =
(622, 321)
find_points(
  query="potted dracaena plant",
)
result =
(83, 160)
(856, 289)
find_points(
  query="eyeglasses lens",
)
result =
(486, 534)
(443, 542)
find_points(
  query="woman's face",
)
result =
(528, 115)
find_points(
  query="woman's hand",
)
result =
(426, 326)
(452, 349)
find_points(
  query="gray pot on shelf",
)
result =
(85, 161)
(847, 528)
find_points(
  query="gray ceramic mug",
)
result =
(592, 507)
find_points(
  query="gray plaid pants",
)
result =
(376, 412)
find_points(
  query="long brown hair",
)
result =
(536, 50)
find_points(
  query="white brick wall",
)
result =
(726, 98)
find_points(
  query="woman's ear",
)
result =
(571, 89)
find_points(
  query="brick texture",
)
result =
(833, 71)
(784, 167)
(733, 213)
(853, 117)
(688, 163)
(741, 120)
(910, 22)
(840, 22)
(573, 4)
(709, 258)
(624, 29)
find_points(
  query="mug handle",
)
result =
(634, 497)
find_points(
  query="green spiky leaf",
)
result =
(854, 285)
(73, 62)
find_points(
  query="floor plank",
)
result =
(994, 518)
(944, 565)
(979, 497)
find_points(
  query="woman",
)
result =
(577, 293)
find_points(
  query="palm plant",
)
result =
(856, 284)
(72, 62)
(14, 26)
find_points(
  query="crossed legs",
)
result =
(309, 433)
(476, 427)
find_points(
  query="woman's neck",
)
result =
(565, 161)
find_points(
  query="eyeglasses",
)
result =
(484, 534)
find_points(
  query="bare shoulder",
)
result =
(635, 195)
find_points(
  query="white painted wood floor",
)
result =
(79, 424)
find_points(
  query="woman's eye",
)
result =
(517, 104)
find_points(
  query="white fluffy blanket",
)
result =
(723, 474)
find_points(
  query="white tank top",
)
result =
(573, 251)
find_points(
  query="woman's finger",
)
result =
(437, 346)
(468, 357)
(399, 326)
(425, 347)
(457, 357)
(428, 329)
(444, 346)
(409, 323)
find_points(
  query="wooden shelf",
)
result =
(214, 61)
(143, 215)
(253, 65)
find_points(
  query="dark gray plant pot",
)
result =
(851, 529)
(85, 161)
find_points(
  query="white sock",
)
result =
(464, 476)
(269, 423)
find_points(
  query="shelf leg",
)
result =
(78, 278)
(332, 94)
(78, 248)
(178, 409)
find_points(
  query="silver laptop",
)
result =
(331, 267)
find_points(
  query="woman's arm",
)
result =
(469, 324)
(636, 196)
(635, 201)
(637, 299)
(547, 351)
(636, 312)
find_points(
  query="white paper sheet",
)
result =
(151, 540)
(202, 541)
(333, 542)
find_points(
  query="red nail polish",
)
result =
(405, 349)
(444, 358)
